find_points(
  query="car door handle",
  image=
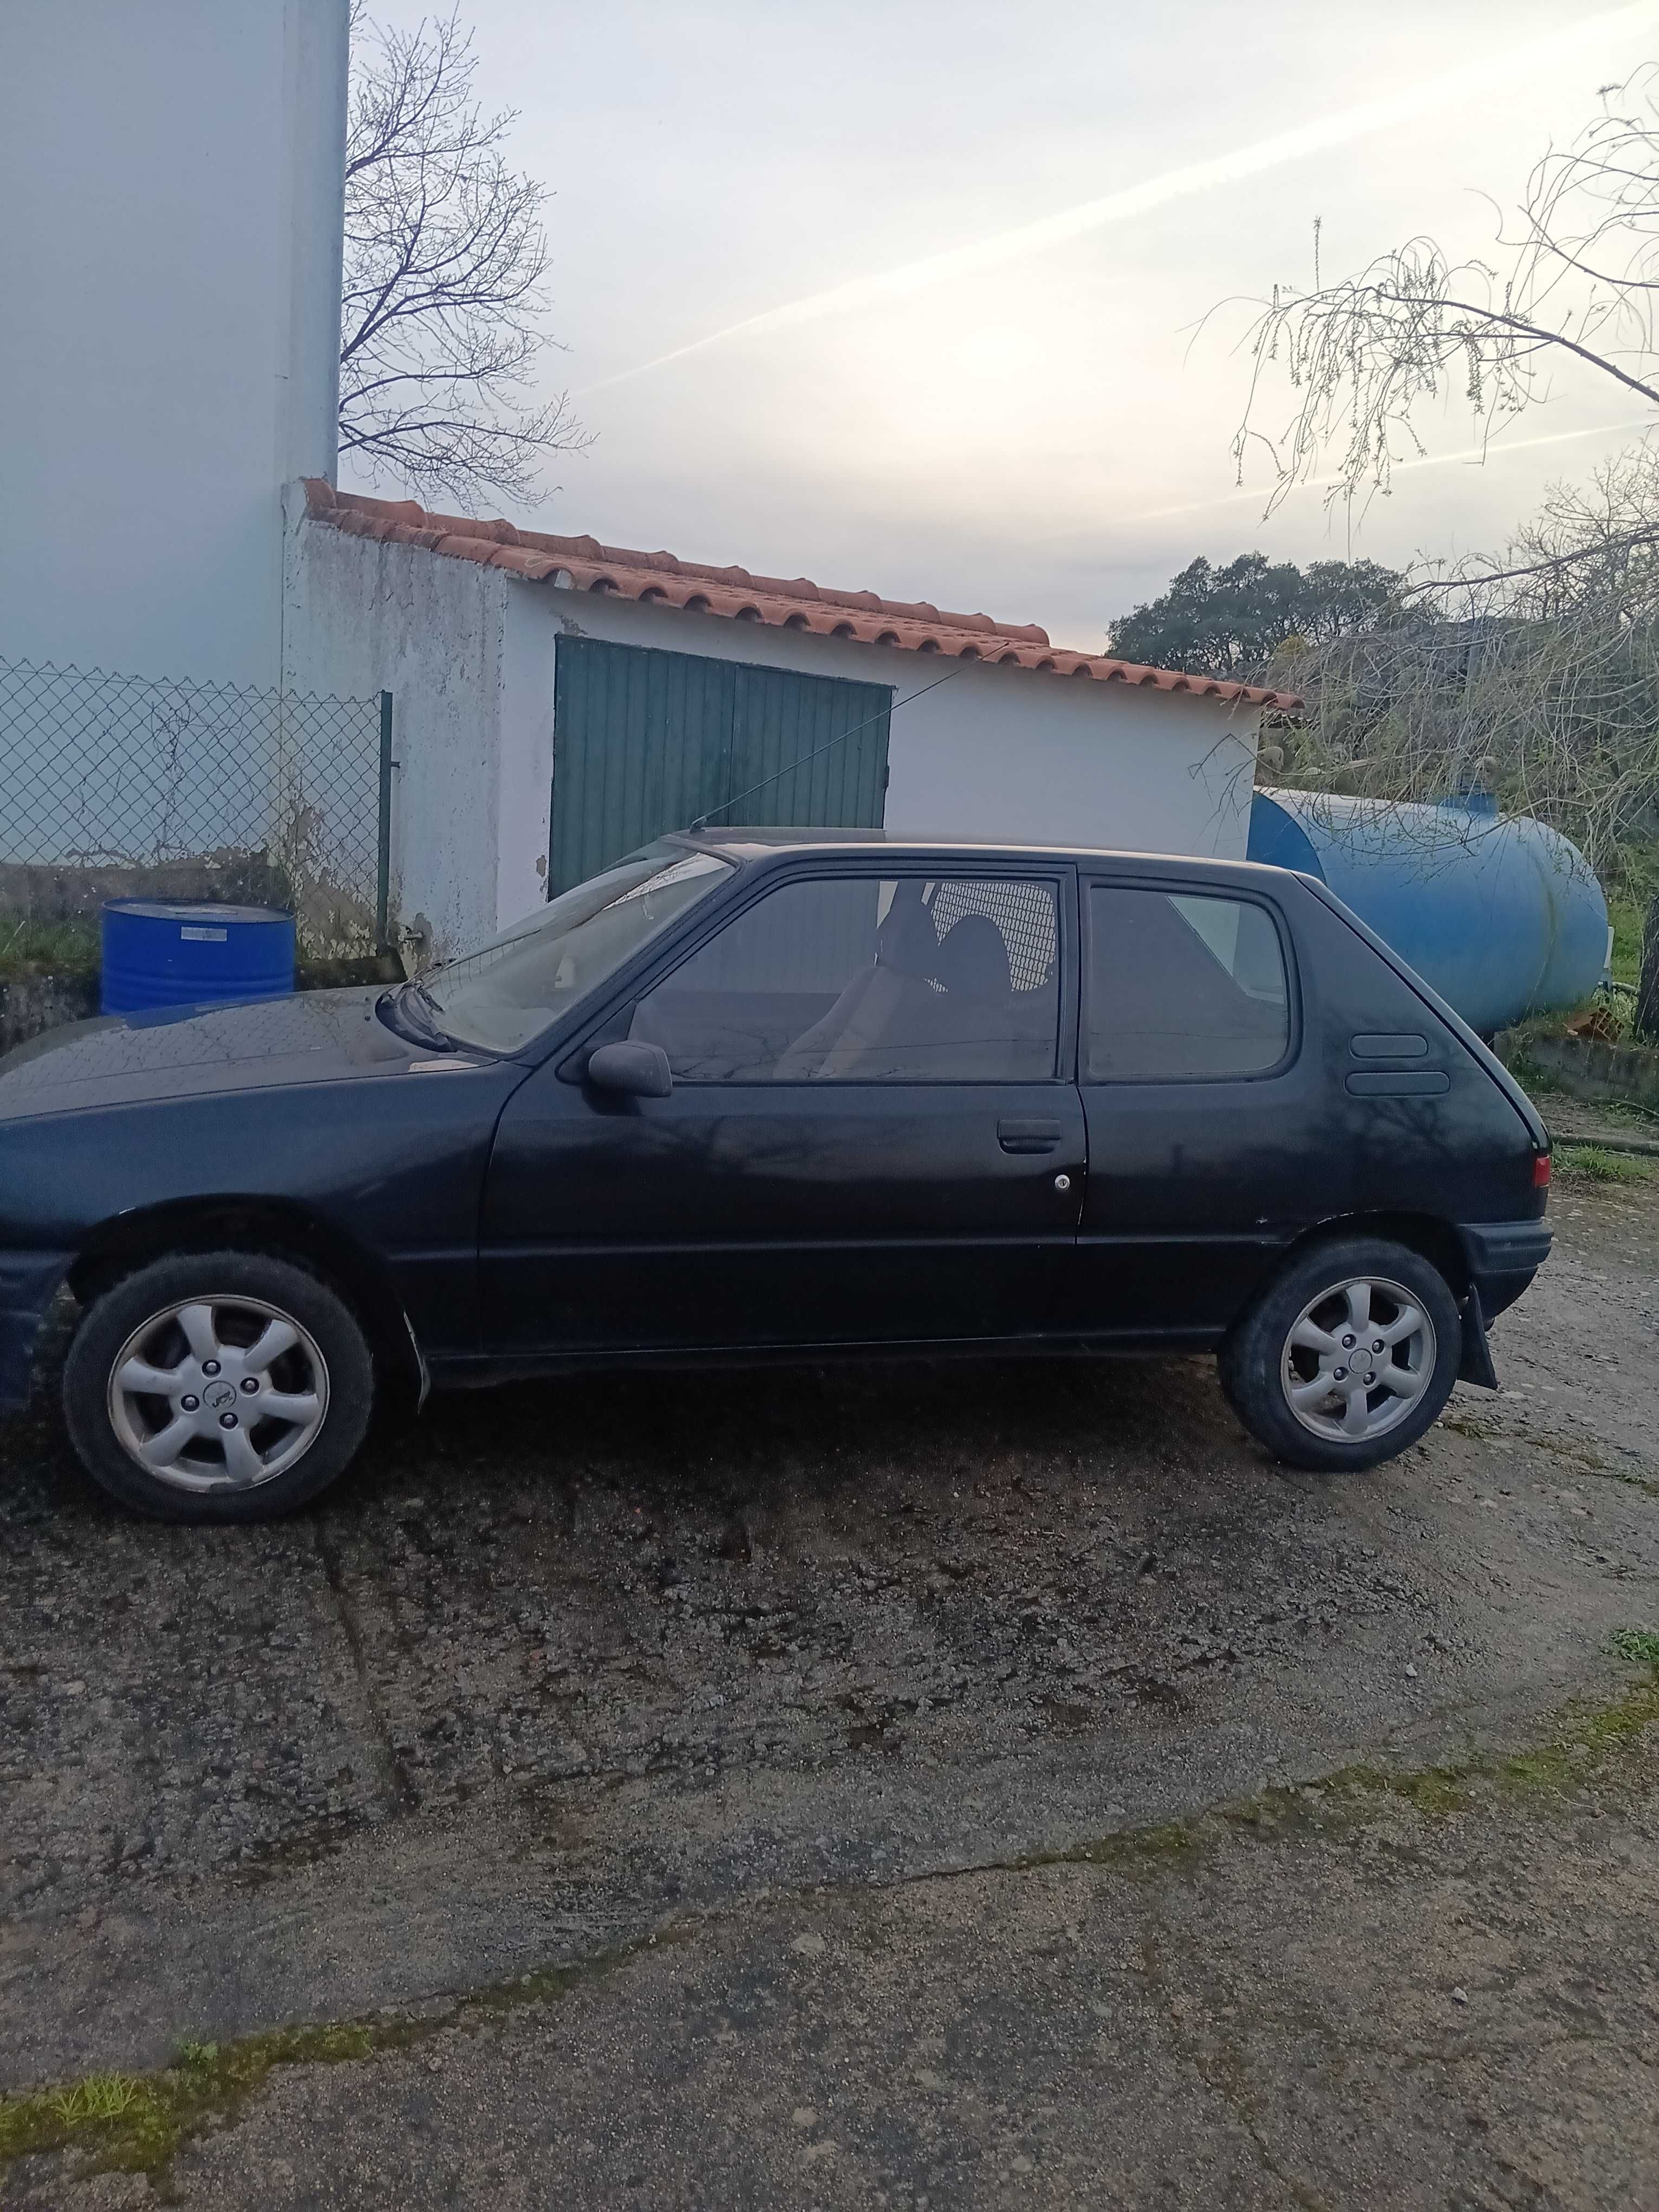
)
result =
(1021, 1136)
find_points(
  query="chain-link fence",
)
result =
(114, 787)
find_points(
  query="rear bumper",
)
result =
(1503, 1258)
(27, 1281)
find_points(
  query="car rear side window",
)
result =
(866, 979)
(1182, 985)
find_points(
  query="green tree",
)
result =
(1232, 621)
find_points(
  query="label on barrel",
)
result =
(203, 936)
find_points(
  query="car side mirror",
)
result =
(637, 1071)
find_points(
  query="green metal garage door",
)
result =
(647, 741)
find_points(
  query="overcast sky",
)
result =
(1037, 434)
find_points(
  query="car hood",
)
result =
(178, 1052)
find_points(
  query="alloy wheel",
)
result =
(1358, 1358)
(218, 1393)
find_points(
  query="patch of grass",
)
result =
(134, 2124)
(137, 2124)
(1595, 1164)
(1639, 1646)
(1624, 913)
(1638, 1119)
(30, 948)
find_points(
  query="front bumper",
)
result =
(1503, 1257)
(27, 1281)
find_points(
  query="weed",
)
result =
(1626, 911)
(1639, 1646)
(1594, 1163)
(1534, 1080)
(98, 2096)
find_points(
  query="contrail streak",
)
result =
(1317, 137)
(1490, 452)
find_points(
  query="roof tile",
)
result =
(793, 603)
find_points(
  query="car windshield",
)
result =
(509, 990)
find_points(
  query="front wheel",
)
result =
(218, 1386)
(1348, 1357)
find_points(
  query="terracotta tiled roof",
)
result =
(795, 602)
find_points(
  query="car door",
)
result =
(872, 1136)
(1201, 1107)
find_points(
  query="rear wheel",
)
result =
(218, 1386)
(1348, 1357)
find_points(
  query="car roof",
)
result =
(746, 844)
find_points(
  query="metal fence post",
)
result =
(383, 877)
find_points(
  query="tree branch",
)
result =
(445, 255)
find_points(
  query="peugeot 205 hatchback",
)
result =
(763, 1094)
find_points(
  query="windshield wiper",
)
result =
(412, 1011)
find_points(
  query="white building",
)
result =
(526, 760)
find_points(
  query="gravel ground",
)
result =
(570, 1666)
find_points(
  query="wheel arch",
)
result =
(1431, 1238)
(284, 1229)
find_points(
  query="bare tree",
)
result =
(442, 324)
(1576, 283)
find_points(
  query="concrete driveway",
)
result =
(996, 1783)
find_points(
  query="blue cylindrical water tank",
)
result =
(1503, 915)
(162, 952)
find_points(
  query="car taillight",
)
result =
(1540, 1172)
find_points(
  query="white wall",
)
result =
(361, 617)
(169, 303)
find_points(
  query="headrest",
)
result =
(973, 960)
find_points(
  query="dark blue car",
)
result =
(755, 1094)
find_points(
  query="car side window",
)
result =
(1182, 985)
(866, 979)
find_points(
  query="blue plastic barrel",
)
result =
(1500, 913)
(178, 953)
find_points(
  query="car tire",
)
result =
(1287, 1364)
(264, 1384)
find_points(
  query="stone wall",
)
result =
(1584, 1067)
